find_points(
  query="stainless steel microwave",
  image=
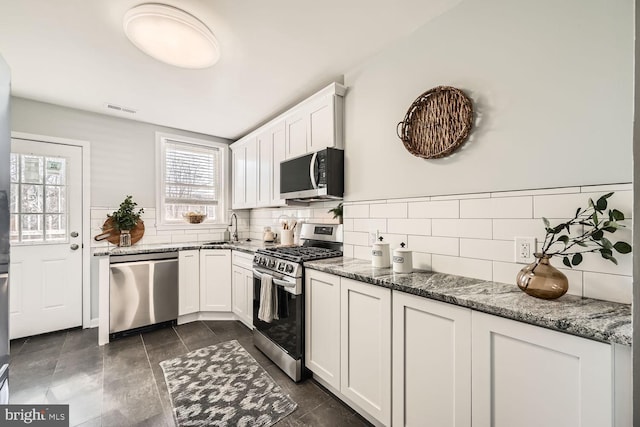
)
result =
(314, 176)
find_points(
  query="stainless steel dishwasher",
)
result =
(143, 291)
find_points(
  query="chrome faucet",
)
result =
(235, 232)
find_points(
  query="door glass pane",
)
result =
(32, 169)
(13, 229)
(13, 198)
(55, 170)
(56, 227)
(31, 198)
(32, 228)
(55, 199)
(38, 199)
(14, 168)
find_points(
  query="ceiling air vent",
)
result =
(121, 108)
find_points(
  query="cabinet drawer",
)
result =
(242, 259)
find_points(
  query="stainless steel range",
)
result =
(281, 334)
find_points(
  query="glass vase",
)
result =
(542, 280)
(125, 238)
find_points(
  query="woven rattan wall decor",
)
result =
(437, 123)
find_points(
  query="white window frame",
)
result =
(223, 200)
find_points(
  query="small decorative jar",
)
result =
(125, 238)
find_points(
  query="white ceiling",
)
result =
(274, 53)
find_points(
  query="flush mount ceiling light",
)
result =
(171, 35)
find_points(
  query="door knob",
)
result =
(74, 247)
(74, 234)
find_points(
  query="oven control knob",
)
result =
(281, 266)
(289, 268)
(263, 261)
(272, 263)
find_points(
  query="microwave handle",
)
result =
(312, 170)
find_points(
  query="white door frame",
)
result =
(86, 207)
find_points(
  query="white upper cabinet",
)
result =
(322, 116)
(297, 130)
(312, 125)
(252, 173)
(245, 173)
(265, 168)
(239, 163)
(278, 147)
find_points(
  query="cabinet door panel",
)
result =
(239, 177)
(321, 124)
(365, 365)
(265, 166)
(529, 376)
(215, 280)
(188, 282)
(322, 326)
(278, 139)
(248, 294)
(431, 363)
(251, 184)
(297, 126)
(238, 297)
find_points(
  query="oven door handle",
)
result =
(258, 275)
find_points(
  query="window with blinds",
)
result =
(191, 181)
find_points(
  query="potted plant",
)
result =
(125, 219)
(337, 212)
(590, 227)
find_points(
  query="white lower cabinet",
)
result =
(322, 326)
(348, 341)
(365, 347)
(431, 363)
(188, 282)
(242, 294)
(527, 376)
(215, 280)
(453, 366)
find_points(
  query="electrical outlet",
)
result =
(525, 247)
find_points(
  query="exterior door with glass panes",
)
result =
(45, 292)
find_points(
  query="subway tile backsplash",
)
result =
(473, 234)
(469, 235)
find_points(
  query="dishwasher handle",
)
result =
(157, 256)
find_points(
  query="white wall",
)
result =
(122, 151)
(551, 82)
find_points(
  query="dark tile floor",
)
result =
(121, 384)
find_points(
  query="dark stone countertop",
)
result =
(598, 320)
(248, 247)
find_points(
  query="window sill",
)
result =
(188, 226)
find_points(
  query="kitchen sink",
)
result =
(217, 242)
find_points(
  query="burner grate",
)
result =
(300, 254)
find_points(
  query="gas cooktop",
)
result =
(300, 253)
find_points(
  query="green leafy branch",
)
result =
(592, 239)
(126, 218)
(337, 211)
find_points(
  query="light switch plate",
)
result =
(524, 249)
